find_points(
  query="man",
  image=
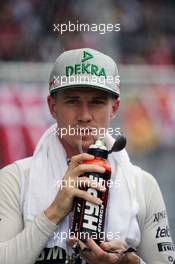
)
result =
(36, 198)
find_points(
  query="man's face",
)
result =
(86, 111)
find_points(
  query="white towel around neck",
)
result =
(48, 166)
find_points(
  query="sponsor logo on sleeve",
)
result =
(159, 216)
(162, 232)
(166, 246)
(171, 260)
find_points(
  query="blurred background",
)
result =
(144, 49)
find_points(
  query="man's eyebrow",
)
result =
(97, 97)
(100, 97)
(70, 97)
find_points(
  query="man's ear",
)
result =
(52, 105)
(115, 107)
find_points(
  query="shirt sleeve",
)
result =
(156, 245)
(18, 244)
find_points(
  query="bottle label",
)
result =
(88, 221)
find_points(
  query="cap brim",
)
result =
(102, 88)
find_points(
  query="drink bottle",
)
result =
(88, 218)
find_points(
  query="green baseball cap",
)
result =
(84, 68)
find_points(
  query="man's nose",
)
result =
(85, 113)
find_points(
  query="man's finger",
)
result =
(78, 159)
(98, 255)
(93, 246)
(71, 241)
(83, 182)
(87, 196)
(114, 246)
(83, 168)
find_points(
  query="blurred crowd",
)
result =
(147, 32)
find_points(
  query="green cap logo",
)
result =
(86, 56)
(85, 68)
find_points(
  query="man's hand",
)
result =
(70, 184)
(108, 252)
(121, 246)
